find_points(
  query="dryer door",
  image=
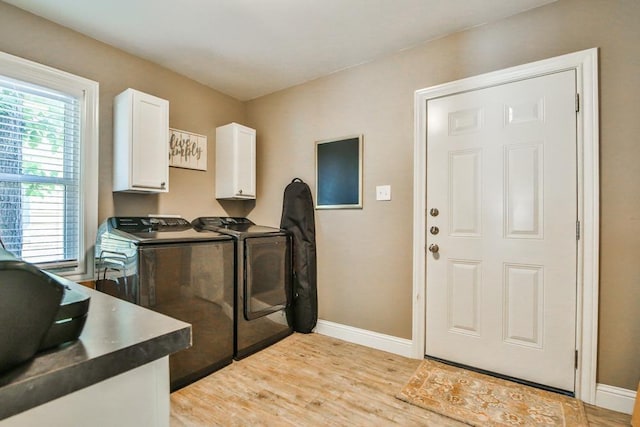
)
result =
(267, 281)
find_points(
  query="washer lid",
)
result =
(141, 223)
(156, 230)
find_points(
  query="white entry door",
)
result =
(502, 210)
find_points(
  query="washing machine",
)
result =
(263, 281)
(165, 265)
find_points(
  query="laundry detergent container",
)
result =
(29, 301)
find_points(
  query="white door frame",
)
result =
(586, 65)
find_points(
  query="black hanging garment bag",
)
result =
(298, 219)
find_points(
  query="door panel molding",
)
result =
(585, 63)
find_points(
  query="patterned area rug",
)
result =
(482, 400)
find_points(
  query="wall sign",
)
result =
(187, 150)
(339, 173)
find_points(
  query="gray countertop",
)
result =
(118, 336)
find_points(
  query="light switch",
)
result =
(383, 192)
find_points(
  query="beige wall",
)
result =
(364, 256)
(193, 107)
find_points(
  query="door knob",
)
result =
(433, 248)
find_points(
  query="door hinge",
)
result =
(577, 102)
(577, 230)
(576, 360)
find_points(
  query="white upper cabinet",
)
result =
(235, 162)
(140, 143)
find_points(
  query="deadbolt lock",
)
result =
(434, 230)
(434, 212)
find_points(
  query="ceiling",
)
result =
(250, 48)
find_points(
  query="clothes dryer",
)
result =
(263, 281)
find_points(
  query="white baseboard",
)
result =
(615, 398)
(391, 344)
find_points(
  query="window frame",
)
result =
(87, 93)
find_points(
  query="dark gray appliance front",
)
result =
(175, 271)
(263, 281)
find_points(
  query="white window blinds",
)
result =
(39, 173)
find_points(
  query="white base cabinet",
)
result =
(140, 143)
(139, 397)
(235, 162)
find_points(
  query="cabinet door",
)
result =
(150, 156)
(245, 157)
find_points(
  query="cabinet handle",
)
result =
(240, 191)
(150, 187)
(163, 184)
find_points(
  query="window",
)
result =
(48, 166)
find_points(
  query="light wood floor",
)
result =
(314, 380)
